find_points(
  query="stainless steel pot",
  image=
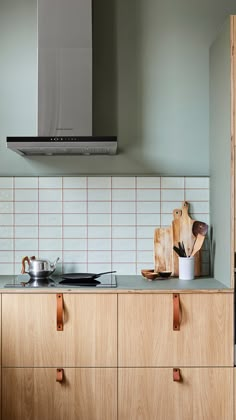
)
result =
(38, 268)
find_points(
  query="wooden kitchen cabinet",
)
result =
(151, 394)
(147, 337)
(83, 394)
(30, 336)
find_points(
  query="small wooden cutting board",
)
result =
(163, 244)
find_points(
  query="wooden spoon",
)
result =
(199, 228)
(197, 244)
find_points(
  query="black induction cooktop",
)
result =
(104, 281)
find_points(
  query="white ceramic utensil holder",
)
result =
(186, 268)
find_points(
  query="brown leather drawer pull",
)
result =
(176, 375)
(59, 312)
(176, 312)
(60, 375)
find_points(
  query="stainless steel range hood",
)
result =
(49, 146)
(64, 97)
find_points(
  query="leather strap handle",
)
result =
(176, 312)
(59, 375)
(59, 312)
(176, 375)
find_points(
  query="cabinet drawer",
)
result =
(84, 393)
(30, 336)
(147, 337)
(151, 394)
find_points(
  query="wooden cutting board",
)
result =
(182, 232)
(163, 245)
(177, 213)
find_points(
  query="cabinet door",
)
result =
(30, 336)
(151, 394)
(147, 338)
(34, 394)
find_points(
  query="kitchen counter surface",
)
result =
(125, 284)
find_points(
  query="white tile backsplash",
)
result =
(6, 244)
(128, 219)
(21, 244)
(75, 219)
(197, 182)
(148, 182)
(93, 223)
(99, 182)
(123, 194)
(74, 232)
(123, 232)
(26, 195)
(172, 195)
(148, 219)
(6, 219)
(50, 244)
(96, 207)
(50, 219)
(6, 256)
(6, 231)
(50, 207)
(123, 182)
(27, 207)
(99, 232)
(74, 207)
(74, 182)
(26, 182)
(50, 232)
(99, 194)
(50, 182)
(26, 219)
(99, 256)
(50, 195)
(6, 195)
(100, 244)
(123, 207)
(74, 195)
(148, 195)
(6, 182)
(197, 195)
(75, 256)
(172, 182)
(124, 244)
(6, 206)
(101, 219)
(78, 244)
(30, 232)
(148, 207)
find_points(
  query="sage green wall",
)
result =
(220, 156)
(151, 85)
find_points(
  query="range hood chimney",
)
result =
(64, 109)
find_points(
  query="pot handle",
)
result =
(24, 260)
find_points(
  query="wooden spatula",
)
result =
(198, 244)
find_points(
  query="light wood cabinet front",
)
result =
(30, 336)
(151, 394)
(84, 394)
(146, 336)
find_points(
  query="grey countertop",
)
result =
(125, 284)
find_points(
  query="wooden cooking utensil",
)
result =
(199, 228)
(198, 244)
